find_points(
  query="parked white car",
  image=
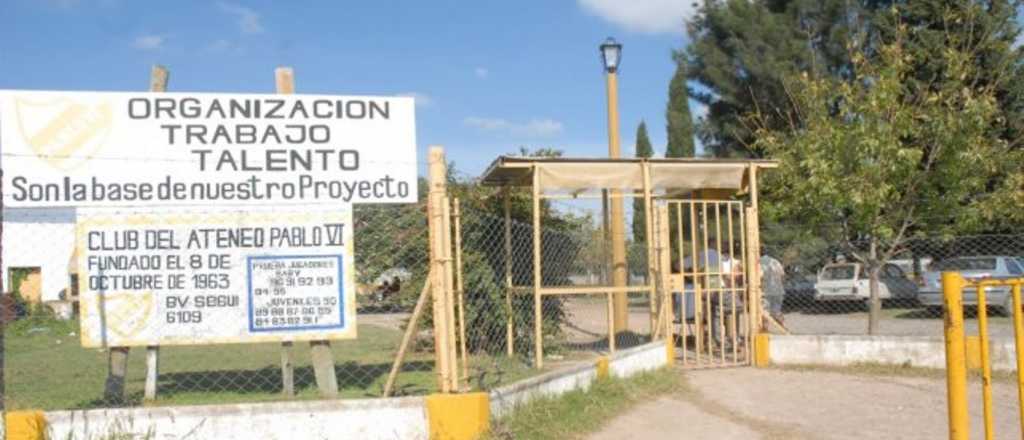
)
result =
(850, 282)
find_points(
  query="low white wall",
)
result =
(624, 363)
(506, 398)
(394, 418)
(841, 350)
(638, 359)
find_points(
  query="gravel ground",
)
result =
(749, 403)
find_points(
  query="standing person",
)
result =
(730, 276)
(772, 275)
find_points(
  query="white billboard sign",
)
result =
(100, 149)
(215, 277)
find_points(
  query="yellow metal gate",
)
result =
(953, 286)
(705, 250)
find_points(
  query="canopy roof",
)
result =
(582, 174)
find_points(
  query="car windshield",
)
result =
(965, 264)
(845, 272)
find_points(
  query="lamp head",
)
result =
(611, 54)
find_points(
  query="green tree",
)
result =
(678, 121)
(882, 157)
(991, 29)
(643, 149)
(565, 239)
(741, 50)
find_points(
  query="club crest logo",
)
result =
(64, 133)
(126, 314)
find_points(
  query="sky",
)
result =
(489, 76)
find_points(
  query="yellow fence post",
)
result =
(986, 364)
(1018, 334)
(956, 367)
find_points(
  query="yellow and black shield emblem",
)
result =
(64, 133)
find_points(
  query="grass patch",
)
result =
(891, 370)
(576, 413)
(47, 368)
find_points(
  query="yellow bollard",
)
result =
(1018, 333)
(986, 365)
(956, 366)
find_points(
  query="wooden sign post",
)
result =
(323, 358)
(117, 357)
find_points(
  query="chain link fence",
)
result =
(48, 365)
(827, 284)
(827, 290)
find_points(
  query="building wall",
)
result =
(42, 238)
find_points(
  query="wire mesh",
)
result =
(46, 365)
(828, 288)
(825, 289)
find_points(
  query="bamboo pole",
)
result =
(657, 244)
(749, 277)
(611, 322)
(578, 290)
(649, 233)
(665, 270)
(710, 343)
(435, 210)
(682, 271)
(697, 293)
(755, 243)
(410, 330)
(451, 349)
(538, 344)
(510, 322)
(736, 259)
(721, 281)
(459, 287)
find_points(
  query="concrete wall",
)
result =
(841, 350)
(638, 359)
(43, 238)
(624, 363)
(506, 398)
(395, 418)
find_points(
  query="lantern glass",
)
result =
(611, 54)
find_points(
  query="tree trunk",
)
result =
(874, 302)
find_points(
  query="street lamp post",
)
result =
(611, 55)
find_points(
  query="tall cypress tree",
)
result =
(679, 123)
(643, 149)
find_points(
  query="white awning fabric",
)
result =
(563, 175)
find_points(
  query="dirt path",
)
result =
(753, 403)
